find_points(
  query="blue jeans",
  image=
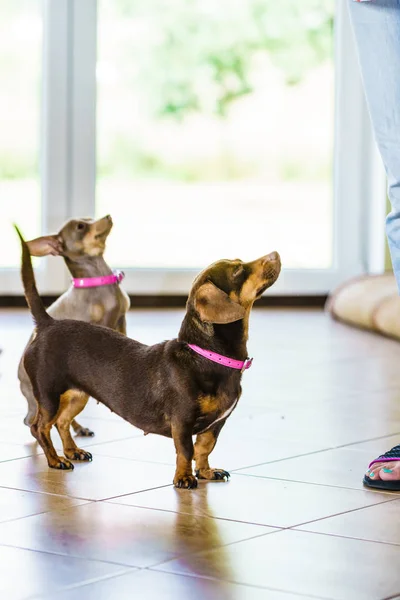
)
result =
(376, 27)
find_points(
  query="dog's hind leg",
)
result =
(48, 409)
(26, 389)
(71, 404)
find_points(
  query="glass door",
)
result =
(207, 129)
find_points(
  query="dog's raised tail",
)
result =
(36, 306)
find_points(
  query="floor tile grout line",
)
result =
(87, 500)
(123, 439)
(84, 584)
(249, 585)
(197, 516)
(72, 556)
(277, 527)
(218, 546)
(41, 453)
(16, 489)
(7, 460)
(7, 487)
(42, 512)
(138, 460)
(374, 439)
(321, 451)
(270, 462)
(344, 512)
(326, 485)
(151, 462)
(201, 552)
(344, 537)
(158, 487)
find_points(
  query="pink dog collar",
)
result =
(240, 365)
(87, 282)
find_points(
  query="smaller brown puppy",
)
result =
(168, 388)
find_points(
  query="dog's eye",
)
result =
(237, 271)
(80, 226)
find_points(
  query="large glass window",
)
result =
(215, 130)
(213, 127)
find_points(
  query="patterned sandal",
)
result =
(393, 486)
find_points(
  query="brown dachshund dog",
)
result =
(169, 388)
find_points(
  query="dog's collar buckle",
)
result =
(88, 282)
(246, 364)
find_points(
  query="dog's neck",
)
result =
(87, 266)
(228, 340)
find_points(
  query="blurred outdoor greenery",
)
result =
(204, 104)
(167, 67)
(201, 53)
(178, 58)
(199, 102)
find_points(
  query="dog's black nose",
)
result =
(108, 217)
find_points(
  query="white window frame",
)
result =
(54, 146)
(69, 161)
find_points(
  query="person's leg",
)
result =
(376, 26)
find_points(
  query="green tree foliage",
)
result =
(199, 54)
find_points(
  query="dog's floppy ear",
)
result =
(46, 245)
(215, 306)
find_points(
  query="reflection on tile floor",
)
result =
(168, 586)
(294, 521)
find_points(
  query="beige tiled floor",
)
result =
(320, 401)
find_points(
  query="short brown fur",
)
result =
(208, 404)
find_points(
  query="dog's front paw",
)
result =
(213, 474)
(62, 463)
(188, 482)
(78, 454)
